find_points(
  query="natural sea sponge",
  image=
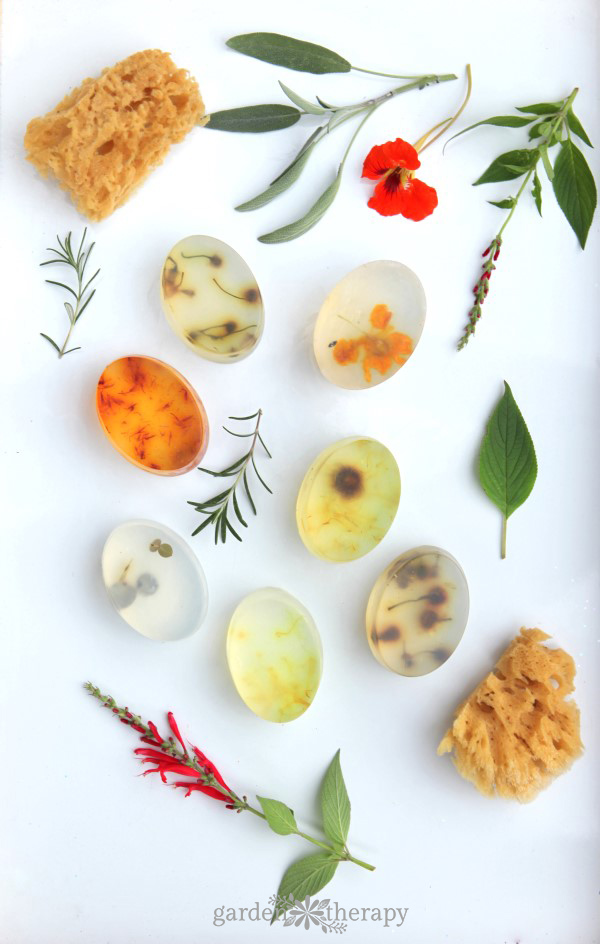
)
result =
(517, 732)
(104, 138)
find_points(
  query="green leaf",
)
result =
(507, 166)
(302, 103)
(537, 193)
(544, 108)
(543, 149)
(53, 343)
(285, 180)
(279, 816)
(310, 219)
(305, 877)
(577, 128)
(575, 189)
(289, 53)
(505, 121)
(254, 119)
(539, 130)
(507, 461)
(507, 204)
(335, 803)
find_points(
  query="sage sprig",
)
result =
(552, 124)
(170, 756)
(217, 509)
(303, 57)
(507, 461)
(78, 262)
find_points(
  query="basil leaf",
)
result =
(575, 189)
(289, 53)
(507, 204)
(310, 219)
(508, 166)
(304, 878)
(577, 128)
(285, 180)
(537, 193)
(505, 121)
(279, 816)
(507, 461)
(253, 118)
(302, 103)
(545, 108)
(335, 803)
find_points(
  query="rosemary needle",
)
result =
(66, 256)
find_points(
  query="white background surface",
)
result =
(92, 853)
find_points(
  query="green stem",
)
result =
(386, 75)
(503, 540)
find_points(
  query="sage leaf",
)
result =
(310, 219)
(507, 204)
(543, 108)
(507, 166)
(575, 189)
(536, 191)
(304, 878)
(507, 461)
(285, 180)
(335, 803)
(288, 52)
(279, 816)
(577, 128)
(254, 118)
(302, 103)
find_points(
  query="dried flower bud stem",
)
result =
(482, 288)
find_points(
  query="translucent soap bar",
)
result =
(152, 415)
(154, 580)
(418, 611)
(369, 325)
(274, 654)
(211, 299)
(348, 499)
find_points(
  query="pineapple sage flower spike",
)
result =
(305, 57)
(552, 124)
(394, 164)
(170, 756)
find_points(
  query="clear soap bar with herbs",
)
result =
(211, 299)
(274, 654)
(154, 580)
(369, 325)
(348, 499)
(418, 611)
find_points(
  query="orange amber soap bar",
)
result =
(152, 415)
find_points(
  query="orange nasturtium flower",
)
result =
(394, 164)
(381, 348)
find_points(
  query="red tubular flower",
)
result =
(393, 164)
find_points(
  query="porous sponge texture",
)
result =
(517, 732)
(104, 138)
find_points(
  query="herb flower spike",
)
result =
(171, 757)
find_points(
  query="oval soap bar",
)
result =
(154, 580)
(274, 654)
(211, 299)
(348, 499)
(152, 415)
(369, 325)
(417, 611)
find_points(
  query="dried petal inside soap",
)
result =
(348, 499)
(518, 731)
(211, 299)
(417, 611)
(274, 654)
(369, 325)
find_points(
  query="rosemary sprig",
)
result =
(217, 509)
(66, 256)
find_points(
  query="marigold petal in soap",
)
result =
(211, 299)
(152, 415)
(418, 611)
(369, 325)
(348, 499)
(154, 580)
(274, 654)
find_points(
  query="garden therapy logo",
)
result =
(310, 913)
